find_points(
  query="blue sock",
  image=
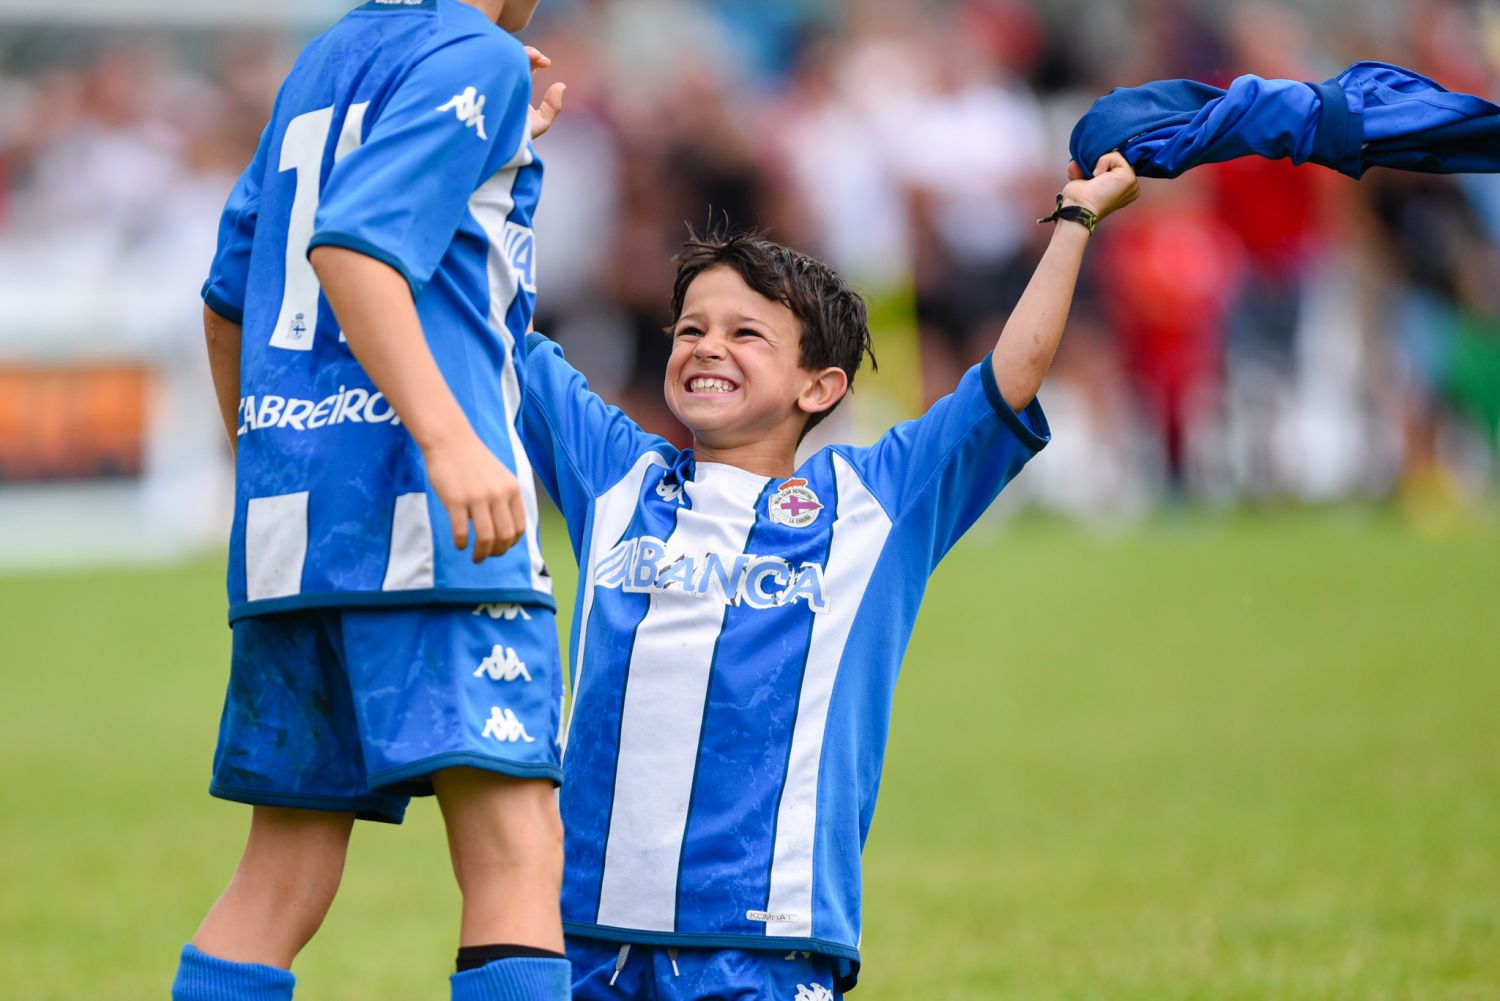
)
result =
(201, 977)
(516, 980)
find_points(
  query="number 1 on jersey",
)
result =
(302, 151)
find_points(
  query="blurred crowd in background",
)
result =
(1250, 332)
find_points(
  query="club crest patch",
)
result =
(794, 505)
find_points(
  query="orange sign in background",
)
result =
(73, 421)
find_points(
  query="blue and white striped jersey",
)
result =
(401, 133)
(735, 648)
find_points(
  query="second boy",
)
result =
(741, 621)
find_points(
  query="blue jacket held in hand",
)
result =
(1370, 115)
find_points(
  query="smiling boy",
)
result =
(741, 620)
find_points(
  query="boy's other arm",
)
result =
(222, 337)
(374, 307)
(1031, 335)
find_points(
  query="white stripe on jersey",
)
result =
(491, 205)
(275, 545)
(859, 536)
(613, 512)
(410, 565)
(662, 719)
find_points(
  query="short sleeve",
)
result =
(455, 118)
(937, 474)
(579, 445)
(228, 276)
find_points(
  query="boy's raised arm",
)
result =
(1031, 335)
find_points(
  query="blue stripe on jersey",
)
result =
(601, 693)
(732, 821)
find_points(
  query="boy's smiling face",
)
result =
(735, 377)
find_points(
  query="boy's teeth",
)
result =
(710, 386)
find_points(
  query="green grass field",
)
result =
(1231, 759)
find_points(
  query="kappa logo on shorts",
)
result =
(503, 665)
(499, 610)
(813, 992)
(504, 727)
(794, 505)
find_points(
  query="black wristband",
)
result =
(1072, 213)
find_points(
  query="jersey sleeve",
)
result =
(937, 474)
(228, 276)
(456, 117)
(578, 445)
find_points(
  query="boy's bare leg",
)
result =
(505, 837)
(282, 888)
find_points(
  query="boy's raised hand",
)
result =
(544, 112)
(1112, 187)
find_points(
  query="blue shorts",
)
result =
(613, 971)
(354, 709)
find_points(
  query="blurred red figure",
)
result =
(1167, 276)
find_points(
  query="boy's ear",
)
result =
(826, 389)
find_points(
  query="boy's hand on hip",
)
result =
(476, 488)
(1112, 187)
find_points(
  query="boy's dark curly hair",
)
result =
(835, 323)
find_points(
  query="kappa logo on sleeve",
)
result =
(469, 107)
(813, 992)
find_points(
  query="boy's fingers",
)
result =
(551, 105)
(458, 520)
(484, 532)
(1075, 172)
(539, 59)
(518, 513)
(1112, 160)
(506, 532)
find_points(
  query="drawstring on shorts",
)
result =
(619, 964)
(624, 957)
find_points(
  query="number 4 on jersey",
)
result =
(302, 151)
